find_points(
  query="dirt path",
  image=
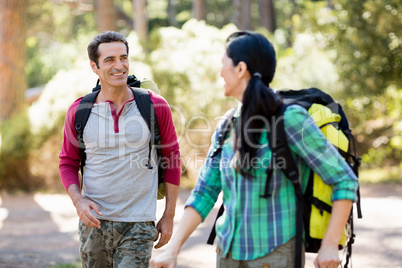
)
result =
(40, 230)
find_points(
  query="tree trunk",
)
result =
(106, 15)
(242, 14)
(12, 58)
(294, 8)
(14, 155)
(267, 15)
(199, 9)
(140, 19)
(330, 5)
(171, 10)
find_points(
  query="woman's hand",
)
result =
(328, 257)
(165, 260)
(168, 259)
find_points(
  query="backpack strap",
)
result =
(81, 118)
(225, 129)
(280, 149)
(147, 111)
(132, 81)
(212, 235)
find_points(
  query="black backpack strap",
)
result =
(132, 81)
(281, 150)
(81, 118)
(212, 235)
(354, 161)
(225, 129)
(147, 110)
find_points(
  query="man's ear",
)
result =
(94, 67)
(242, 69)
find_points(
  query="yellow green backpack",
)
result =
(314, 205)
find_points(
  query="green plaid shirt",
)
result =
(252, 226)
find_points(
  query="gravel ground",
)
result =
(40, 230)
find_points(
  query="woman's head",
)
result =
(255, 51)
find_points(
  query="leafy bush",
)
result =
(186, 65)
(15, 147)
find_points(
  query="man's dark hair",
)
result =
(104, 37)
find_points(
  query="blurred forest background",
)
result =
(351, 49)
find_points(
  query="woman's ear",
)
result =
(242, 70)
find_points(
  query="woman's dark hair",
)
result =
(259, 101)
(104, 37)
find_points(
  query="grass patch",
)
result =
(76, 264)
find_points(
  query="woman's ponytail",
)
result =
(259, 104)
(259, 101)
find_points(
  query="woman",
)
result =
(256, 231)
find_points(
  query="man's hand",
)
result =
(165, 230)
(84, 207)
(165, 224)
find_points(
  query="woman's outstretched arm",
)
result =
(189, 222)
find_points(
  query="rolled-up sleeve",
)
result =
(307, 141)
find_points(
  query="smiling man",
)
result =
(117, 204)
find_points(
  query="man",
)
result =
(117, 205)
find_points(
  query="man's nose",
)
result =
(118, 65)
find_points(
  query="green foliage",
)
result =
(45, 61)
(186, 65)
(55, 29)
(372, 60)
(219, 13)
(77, 264)
(378, 126)
(15, 137)
(367, 38)
(306, 64)
(15, 147)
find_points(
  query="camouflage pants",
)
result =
(117, 244)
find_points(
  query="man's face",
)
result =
(113, 64)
